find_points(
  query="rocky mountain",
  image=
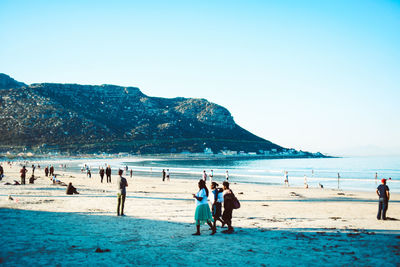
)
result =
(107, 118)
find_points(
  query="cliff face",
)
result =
(109, 118)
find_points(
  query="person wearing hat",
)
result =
(383, 192)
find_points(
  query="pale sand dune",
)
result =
(274, 226)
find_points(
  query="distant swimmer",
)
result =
(211, 176)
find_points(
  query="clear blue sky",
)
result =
(312, 75)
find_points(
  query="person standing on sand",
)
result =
(122, 184)
(203, 213)
(108, 174)
(383, 192)
(286, 178)
(228, 207)
(51, 170)
(227, 175)
(23, 172)
(33, 169)
(211, 176)
(46, 171)
(376, 178)
(167, 174)
(101, 172)
(131, 173)
(163, 175)
(305, 181)
(216, 200)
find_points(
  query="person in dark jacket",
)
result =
(122, 183)
(228, 207)
(71, 189)
(46, 171)
(383, 192)
(51, 170)
(108, 174)
(101, 172)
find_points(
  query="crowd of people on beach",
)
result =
(219, 197)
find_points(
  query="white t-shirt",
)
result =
(202, 193)
(220, 197)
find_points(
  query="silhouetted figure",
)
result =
(32, 179)
(51, 170)
(121, 195)
(71, 189)
(163, 175)
(101, 172)
(23, 172)
(108, 174)
(46, 171)
(1, 172)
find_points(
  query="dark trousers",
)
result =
(108, 178)
(227, 217)
(121, 202)
(22, 179)
(101, 176)
(383, 206)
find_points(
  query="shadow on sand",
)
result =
(33, 238)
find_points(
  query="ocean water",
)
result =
(356, 173)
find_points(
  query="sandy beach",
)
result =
(276, 225)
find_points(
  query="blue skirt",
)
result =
(203, 214)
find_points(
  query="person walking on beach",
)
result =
(51, 170)
(305, 181)
(122, 184)
(108, 174)
(211, 176)
(227, 175)
(376, 178)
(203, 213)
(46, 171)
(33, 169)
(338, 180)
(131, 173)
(383, 192)
(228, 207)
(216, 200)
(163, 175)
(101, 172)
(286, 178)
(23, 172)
(204, 176)
(167, 174)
